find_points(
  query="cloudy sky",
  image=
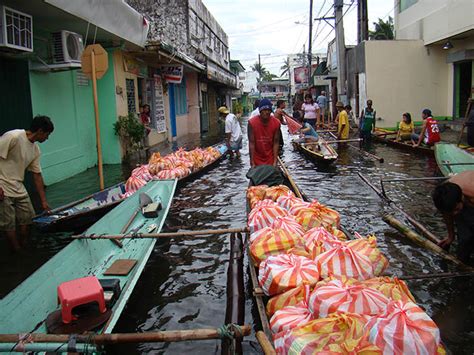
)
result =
(272, 27)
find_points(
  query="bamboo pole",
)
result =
(164, 235)
(97, 125)
(468, 110)
(335, 141)
(265, 344)
(441, 275)
(418, 239)
(290, 179)
(434, 178)
(120, 338)
(370, 155)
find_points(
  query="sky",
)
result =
(270, 28)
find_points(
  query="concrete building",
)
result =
(276, 89)
(430, 64)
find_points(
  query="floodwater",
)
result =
(184, 283)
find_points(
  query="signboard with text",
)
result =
(160, 120)
(172, 74)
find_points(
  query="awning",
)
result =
(114, 16)
(218, 74)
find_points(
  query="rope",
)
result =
(230, 331)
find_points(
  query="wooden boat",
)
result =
(27, 307)
(452, 160)
(80, 214)
(319, 151)
(389, 139)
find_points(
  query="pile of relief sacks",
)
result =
(176, 165)
(327, 295)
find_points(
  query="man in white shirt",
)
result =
(233, 132)
(19, 152)
(255, 111)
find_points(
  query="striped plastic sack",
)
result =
(289, 224)
(344, 261)
(165, 174)
(142, 172)
(308, 218)
(368, 247)
(288, 298)
(263, 215)
(404, 328)
(134, 183)
(276, 242)
(318, 240)
(340, 333)
(291, 317)
(288, 201)
(293, 125)
(279, 273)
(326, 215)
(274, 192)
(255, 194)
(393, 288)
(297, 206)
(346, 295)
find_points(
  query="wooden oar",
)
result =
(165, 235)
(290, 178)
(265, 344)
(441, 275)
(336, 141)
(418, 239)
(121, 338)
(370, 155)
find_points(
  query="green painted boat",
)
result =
(26, 308)
(452, 160)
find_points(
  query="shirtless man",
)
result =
(455, 200)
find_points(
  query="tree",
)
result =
(285, 67)
(260, 69)
(382, 30)
(268, 76)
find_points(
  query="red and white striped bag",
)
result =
(279, 273)
(166, 174)
(290, 317)
(342, 260)
(255, 194)
(318, 240)
(393, 288)
(288, 201)
(263, 214)
(142, 172)
(289, 298)
(289, 224)
(274, 192)
(368, 247)
(346, 295)
(273, 242)
(134, 183)
(404, 328)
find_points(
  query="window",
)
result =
(180, 100)
(130, 88)
(405, 4)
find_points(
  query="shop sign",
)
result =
(172, 74)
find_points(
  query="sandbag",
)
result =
(276, 241)
(318, 240)
(263, 214)
(346, 295)
(393, 288)
(404, 328)
(142, 173)
(340, 333)
(368, 247)
(327, 216)
(274, 192)
(291, 317)
(134, 183)
(255, 194)
(342, 260)
(288, 298)
(289, 224)
(279, 273)
(288, 201)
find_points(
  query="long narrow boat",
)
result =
(80, 214)
(383, 137)
(318, 152)
(452, 160)
(27, 307)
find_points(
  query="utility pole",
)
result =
(341, 50)
(310, 41)
(362, 21)
(259, 76)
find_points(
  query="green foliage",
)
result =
(237, 107)
(285, 67)
(383, 30)
(130, 131)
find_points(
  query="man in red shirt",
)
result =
(429, 132)
(263, 134)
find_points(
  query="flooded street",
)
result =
(184, 283)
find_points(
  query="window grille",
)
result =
(130, 88)
(18, 29)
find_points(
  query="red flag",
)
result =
(293, 126)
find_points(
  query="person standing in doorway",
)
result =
(233, 132)
(322, 102)
(367, 124)
(19, 152)
(429, 132)
(310, 111)
(263, 134)
(342, 122)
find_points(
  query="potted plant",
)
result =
(131, 133)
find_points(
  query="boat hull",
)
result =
(447, 154)
(327, 155)
(404, 146)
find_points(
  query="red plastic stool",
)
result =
(78, 292)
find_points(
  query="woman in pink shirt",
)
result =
(311, 111)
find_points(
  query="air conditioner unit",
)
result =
(67, 47)
(16, 29)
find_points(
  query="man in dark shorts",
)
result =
(455, 200)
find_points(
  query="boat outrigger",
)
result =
(29, 307)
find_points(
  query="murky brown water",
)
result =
(184, 283)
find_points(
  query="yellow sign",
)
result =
(101, 60)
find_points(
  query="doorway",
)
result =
(462, 87)
(204, 112)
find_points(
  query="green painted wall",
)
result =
(71, 148)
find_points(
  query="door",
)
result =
(172, 110)
(15, 100)
(462, 87)
(204, 112)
